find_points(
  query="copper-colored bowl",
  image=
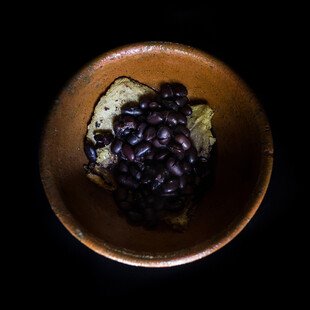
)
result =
(243, 165)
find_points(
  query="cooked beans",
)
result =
(158, 165)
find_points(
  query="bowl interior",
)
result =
(242, 171)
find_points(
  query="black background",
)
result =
(261, 44)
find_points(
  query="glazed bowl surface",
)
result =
(244, 156)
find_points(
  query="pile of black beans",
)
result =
(158, 168)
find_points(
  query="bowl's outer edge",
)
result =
(179, 257)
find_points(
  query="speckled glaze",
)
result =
(243, 166)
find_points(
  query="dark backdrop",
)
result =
(260, 44)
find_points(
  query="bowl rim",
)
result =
(178, 257)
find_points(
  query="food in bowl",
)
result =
(152, 149)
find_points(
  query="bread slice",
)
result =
(123, 91)
(199, 124)
(126, 91)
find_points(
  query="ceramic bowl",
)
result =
(242, 170)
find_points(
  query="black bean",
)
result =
(154, 105)
(165, 114)
(122, 166)
(90, 151)
(116, 146)
(149, 134)
(179, 90)
(196, 169)
(170, 104)
(150, 199)
(186, 167)
(203, 159)
(141, 204)
(182, 129)
(125, 205)
(151, 154)
(143, 149)
(140, 165)
(174, 166)
(124, 125)
(129, 122)
(164, 132)
(134, 111)
(164, 141)
(181, 118)
(155, 184)
(171, 185)
(161, 155)
(136, 173)
(182, 182)
(103, 139)
(145, 192)
(176, 149)
(125, 133)
(157, 144)
(146, 179)
(183, 140)
(186, 110)
(140, 130)
(133, 139)
(170, 162)
(191, 155)
(128, 152)
(138, 196)
(109, 138)
(118, 128)
(135, 216)
(171, 194)
(174, 205)
(161, 175)
(149, 214)
(140, 118)
(130, 196)
(181, 101)
(150, 168)
(166, 91)
(159, 204)
(121, 194)
(154, 118)
(144, 104)
(172, 119)
(127, 181)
